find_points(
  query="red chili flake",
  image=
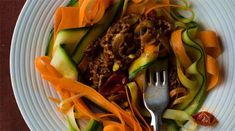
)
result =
(205, 118)
(114, 86)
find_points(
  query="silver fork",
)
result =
(156, 92)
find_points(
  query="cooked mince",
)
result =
(122, 44)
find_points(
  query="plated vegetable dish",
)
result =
(98, 54)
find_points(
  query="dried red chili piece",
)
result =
(205, 118)
(114, 87)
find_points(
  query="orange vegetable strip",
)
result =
(101, 11)
(57, 20)
(42, 63)
(57, 101)
(103, 115)
(77, 116)
(64, 94)
(147, 127)
(66, 17)
(150, 48)
(82, 12)
(93, 95)
(212, 69)
(44, 67)
(129, 120)
(178, 48)
(130, 103)
(113, 126)
(88, 10)
(96, 13)
(81, 116)
(78, 104)
(74, 17)
(81, 107)
(80, 2)
(77, 87)
(211, 44)
(90, 14)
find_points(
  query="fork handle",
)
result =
(156, 121)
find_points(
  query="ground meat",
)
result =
(102, 56)
(99, 69)
(174, 81)
(122, 40)
(162, 24)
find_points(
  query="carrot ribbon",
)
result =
(86, 12)
(50, 74)
(66, 17)
(211, 44)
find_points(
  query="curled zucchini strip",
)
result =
(191, 71)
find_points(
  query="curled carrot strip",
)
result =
(178, 48)
(129, 120)
(75, 87)
(75, 17)
(43, 67)
(213, 72)
(66, 17)
(113, 126)
(82, 108)
(103, 115)
(150, 48)
(82, 12)
(211, 44)
(54, 100)
(92, 11)
(99, 13)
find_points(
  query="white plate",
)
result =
(30, 40)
